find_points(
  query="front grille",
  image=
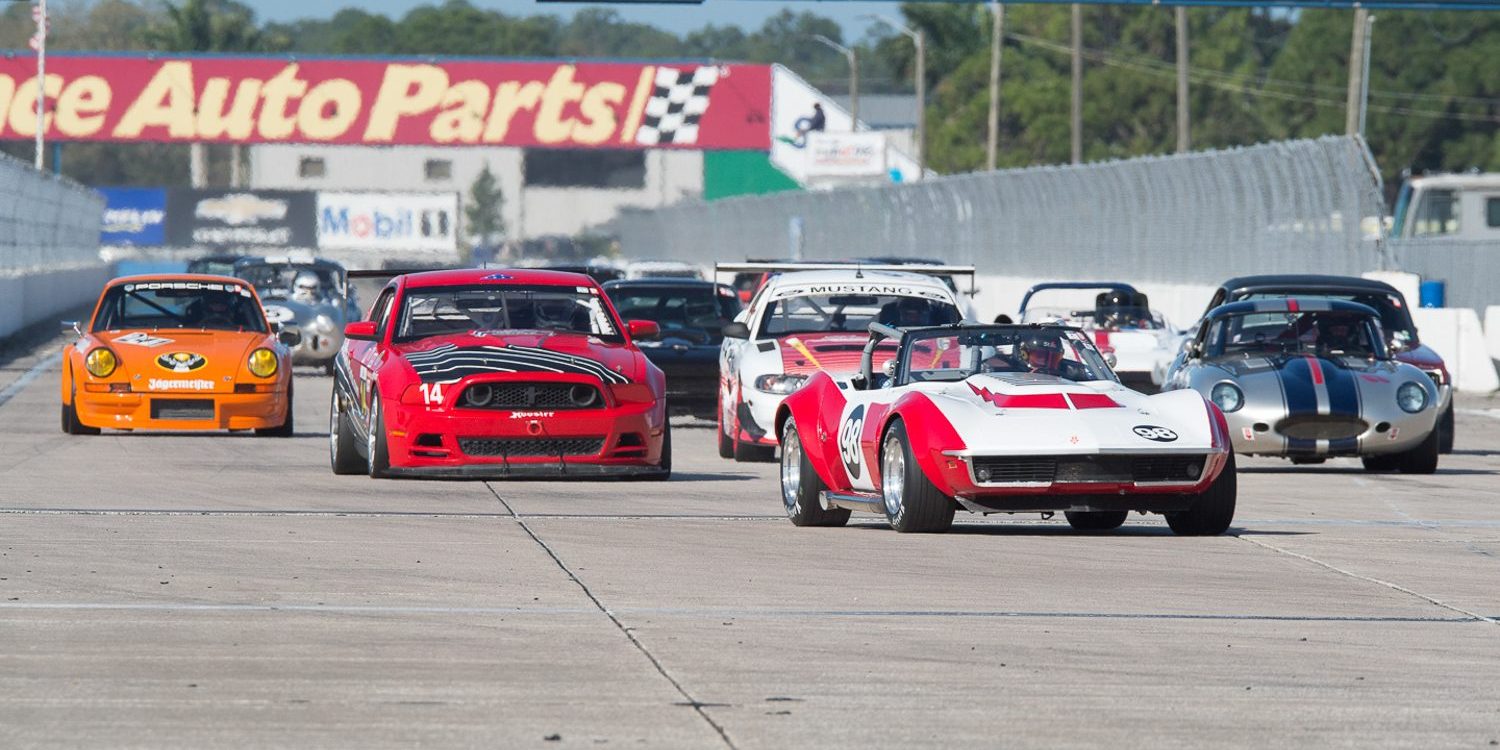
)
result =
(1322, 427)
(531, 447)
(1085, 469)
(513, 396)
(185, 409)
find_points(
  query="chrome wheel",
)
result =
(370, 433)
(791, 469)
(334, 416)
(892, 475)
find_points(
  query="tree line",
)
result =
(1257, 74)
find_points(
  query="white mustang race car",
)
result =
(803, 322)
(1000, 419)
(1121, 321)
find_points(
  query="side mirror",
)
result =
(736, 330)
(363, 330)
(289, 338)
(1111, 360)
(644, 330)
(71, 325)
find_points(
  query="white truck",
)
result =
(1449, 206)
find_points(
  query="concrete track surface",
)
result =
(170, 591)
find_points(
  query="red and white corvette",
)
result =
(491, 374)
(1000, 418)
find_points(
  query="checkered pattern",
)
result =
(676, 105)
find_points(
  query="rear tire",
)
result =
(377, 452)
(1096, 520)
(1213, 510)
(801, 487)
(1383, 462)
(343, 447)
(912, 503)
(1445, 431)
(726, 443)
(287, 427)
(1422, 459)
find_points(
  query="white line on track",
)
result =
(9, 392)
(1368, 579)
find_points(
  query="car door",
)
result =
(365, 357)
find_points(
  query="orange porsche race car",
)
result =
(178, 352)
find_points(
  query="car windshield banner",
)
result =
(427, 101)
(134, 216)
(228, 218)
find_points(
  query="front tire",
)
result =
(287, 427)
(343, 447)
(666, 454)
(1096, 520)
(1213, 510)
(377, 452)
(1445, 431)
(801, 487)
(1422, 459)
(70, 423)
(726, 443)
(912, 503)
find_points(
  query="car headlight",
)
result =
(1227, 396)
(263, 363)
(780, 385)
(1411, 397)
(101, 362)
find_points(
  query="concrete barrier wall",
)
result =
(28, 299)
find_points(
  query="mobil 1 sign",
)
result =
(388, 221)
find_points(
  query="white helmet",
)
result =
(307, 286)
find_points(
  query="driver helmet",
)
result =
(912, 311)
(555, 313)
(1113, 309)
(1041, 353)
(306, 287)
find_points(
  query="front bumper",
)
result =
(757, 417)
(1066, 489)
(1255, 432)
(481, 443)
(133, 410)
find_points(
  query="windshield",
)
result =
(696, 313)
(943, 356)
(820, 313)
(483, 309)
(293, 281)
(1111, 309)
(1323, 333)
(1394, 317)
(180, 304)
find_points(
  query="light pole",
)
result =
(997, 43)
(853, 59)
(919, 39)
(39, 43)
(1076, 108)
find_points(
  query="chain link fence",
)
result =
(46, 222)
(1308, 206)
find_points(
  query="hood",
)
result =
(450, 358)
(835, 352)
(1422, 357)
(1307, 383)
(183, 359)
(1047, 414)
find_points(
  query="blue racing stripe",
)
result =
(1343, 445)
(1343, 389)
(1296, 382)
(1298, 445)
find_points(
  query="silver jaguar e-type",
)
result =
(1310, 378)
(308, 295)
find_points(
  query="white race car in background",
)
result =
(804, 321)
(1140, 342)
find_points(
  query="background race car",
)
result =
(310, 295)
(493, 374)
(692, 315)
(1000, 419)
(803, 322)
(1138, 340)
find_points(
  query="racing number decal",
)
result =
(849, 441)
(1152, 432)
(432, 393)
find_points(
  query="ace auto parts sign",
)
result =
(375, 102)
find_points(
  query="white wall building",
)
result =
(546, 191)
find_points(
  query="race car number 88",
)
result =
(1152, 432)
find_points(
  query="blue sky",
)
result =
(675, 18)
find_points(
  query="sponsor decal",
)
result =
(189, 286)
(161, 384)
(181, 361)
(447, 362)
(277, 218)
(431, 102)
(133, 216)
(141, 339)
(849, 441)
(498, 277)
(1248, 433)
(388, 221)
(533, 414)
(1152, 432)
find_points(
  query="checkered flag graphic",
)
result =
(676, 105)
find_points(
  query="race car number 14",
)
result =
(432, 393)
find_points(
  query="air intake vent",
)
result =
(531, 447)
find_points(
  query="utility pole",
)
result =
(997, 43)
(1077, 109)
(1364, 75)
(1353, 105)
(852, 58)
(40, 43)
(921, 40)
(1184, 134)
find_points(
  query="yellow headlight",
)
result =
(263, 363)
(101, 362)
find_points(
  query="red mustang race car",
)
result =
(492, 374)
